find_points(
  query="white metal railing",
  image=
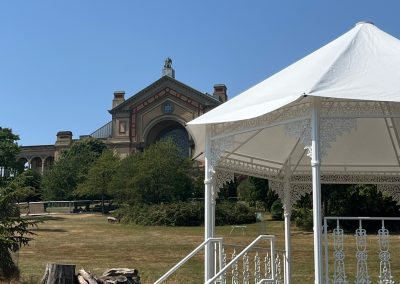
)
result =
(362, 275)
(216, 241)
(220, 277)
(254, 265)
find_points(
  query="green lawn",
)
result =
(88, 241)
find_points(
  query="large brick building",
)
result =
(158, 111)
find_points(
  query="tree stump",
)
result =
(59, 274)
(89, 278)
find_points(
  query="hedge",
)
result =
(185, 214)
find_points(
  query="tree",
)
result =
(347, 200)
(122, 183)
(158, 175)
(339, 200)
(28, 186)
(254, 190)
(71, 169)
(98, 179)
(14, 230)
(8, 151)
(228, 192)
(246, 191)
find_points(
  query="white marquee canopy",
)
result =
(339, 106)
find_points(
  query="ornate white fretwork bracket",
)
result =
(220, 178)
(300, 185)
(392, 190)
(294, 111)
(330, 129)
(330, 108)
(218, 148)
(296, 192)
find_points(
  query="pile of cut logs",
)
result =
(65, 273)
(111, 276)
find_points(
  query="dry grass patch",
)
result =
(88, 241)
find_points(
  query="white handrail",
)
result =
(190, 255)
(271, 238)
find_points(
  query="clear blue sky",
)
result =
(61, 61)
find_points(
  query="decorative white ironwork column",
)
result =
(235, 269)
(208, 210)
(339, 274)
(257, 268)
(362, 276)
(385, 272)
(246, 269)
(316, 185)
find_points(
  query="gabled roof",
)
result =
(136, 98)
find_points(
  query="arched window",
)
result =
(179, 136)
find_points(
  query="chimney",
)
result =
(64, 141)
(119, 98)
(220, 93)
(168, 70)
(64, 138)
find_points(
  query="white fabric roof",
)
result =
(363, 64)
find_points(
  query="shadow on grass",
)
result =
(54, 230)
(301, 233)
(44, 218)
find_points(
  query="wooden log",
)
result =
(81, 280)
(89, 278)
(121, 279)
(115, 279)
(58, 274)
(127, 272)
(99, 280)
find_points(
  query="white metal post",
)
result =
(287, 249)
(208, 209)
(316, 183)
(287, 214)
(215, 255)
(213, 203)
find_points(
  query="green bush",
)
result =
(171, 214)
(276, 210)
(234, 213)
(303, 218)
(185, 214)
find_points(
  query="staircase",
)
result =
(259, 262)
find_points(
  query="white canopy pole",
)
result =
(316, 183)
(208, 211)
(287, 214)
